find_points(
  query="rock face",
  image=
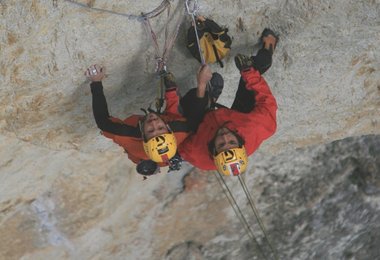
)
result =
(66, 192)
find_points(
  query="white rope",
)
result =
(192, 11)
(256, 213)
(227, 192)
(150, 14)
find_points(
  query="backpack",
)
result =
(214, 40)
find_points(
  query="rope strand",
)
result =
(256, 213)
(238, 211)
(155, 12)
(129, 16)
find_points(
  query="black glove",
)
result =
(175, 163)
(147, 167)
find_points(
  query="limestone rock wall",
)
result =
(66, 192)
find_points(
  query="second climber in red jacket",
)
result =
(149, 140)
(226, 137)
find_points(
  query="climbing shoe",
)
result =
(264, 40)
(243, 62)
(216, 86)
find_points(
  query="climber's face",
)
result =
(225, 139)
(153, 126)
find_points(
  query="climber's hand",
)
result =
(203, 77)
(95, 73)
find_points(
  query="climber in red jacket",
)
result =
(225, 137)
(150, 140)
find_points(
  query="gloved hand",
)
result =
(175, 163)
(147, 168)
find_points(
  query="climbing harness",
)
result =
(227, 192)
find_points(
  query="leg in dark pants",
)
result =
(245, 99)
(194, 108)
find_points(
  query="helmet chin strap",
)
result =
(144, 110)
(150, 110)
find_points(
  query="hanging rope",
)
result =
(169, 41)
(237, 210)
(129, 16)
(161, 58)
(155, 12)
(256, 213)
(192, 9)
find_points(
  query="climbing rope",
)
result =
(129, 16)
(169, 41)
(227, 192)
(256, 213)
(192, 8)
(155, 12)
(162, 57)
(242, 218)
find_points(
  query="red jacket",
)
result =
(133, 143)
(253, 127)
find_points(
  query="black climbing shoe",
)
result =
(243, 62)
(266, 32)
(216, 86)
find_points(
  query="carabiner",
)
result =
(194, 10)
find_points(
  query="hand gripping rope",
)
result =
(192, 8)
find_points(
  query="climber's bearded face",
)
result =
(153, 126)
(225, 139)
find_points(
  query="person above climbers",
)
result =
(150, 140)
(226, 137)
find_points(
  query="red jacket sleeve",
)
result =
(172, 102)
(264, 113)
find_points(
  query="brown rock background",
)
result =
(66, 192)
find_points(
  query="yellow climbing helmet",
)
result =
(161, 148)
(232, 161)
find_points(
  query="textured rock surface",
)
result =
(68, 193)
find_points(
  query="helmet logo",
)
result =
(160, 140)
(229, 156)
(161, 149)
(235, 169)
